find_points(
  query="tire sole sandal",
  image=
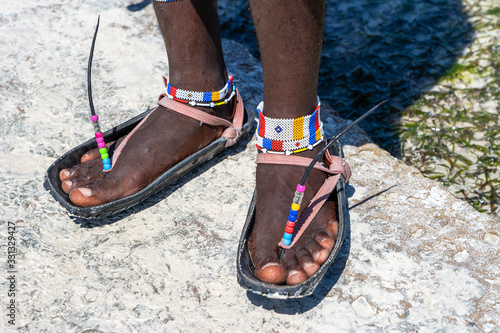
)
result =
(242, 124)
(245, 267)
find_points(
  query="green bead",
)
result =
(104, 156)
(103, 151)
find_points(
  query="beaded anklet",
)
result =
(196, 98)
(287, 136)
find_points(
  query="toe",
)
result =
(83, 196)
(325, 239)
(265, 257)
(64, 174)
(306, 262)
(318, 252)
(90, 155)
(67, 186)
(72, 183)
(271, 272)
(88, 169)
(295, 275)
(94, 153)
(294, 272)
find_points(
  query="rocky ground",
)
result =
(416, 258)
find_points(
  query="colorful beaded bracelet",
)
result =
(195, 98)
(287, 136)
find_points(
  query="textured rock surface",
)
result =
(416, 258)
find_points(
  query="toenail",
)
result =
(66, 173)
(85, 191)
(269, 265)
(316, 256)
(307, 265)
(68, 183)
(293, 273)
(322, 239)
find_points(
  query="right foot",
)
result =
(163, 140)
(275, 189)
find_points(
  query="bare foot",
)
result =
(164, 139)
(275, 190)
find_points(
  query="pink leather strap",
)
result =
(232, 130)
(335, 166)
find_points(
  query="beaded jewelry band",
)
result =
(106, 162)
(196, 98)
(165, 0)
(287, 136)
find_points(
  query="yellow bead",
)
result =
(295, 207)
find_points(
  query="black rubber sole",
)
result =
(245, 268)
(72, 157)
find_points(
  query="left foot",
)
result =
(163, 140)
(275, 190)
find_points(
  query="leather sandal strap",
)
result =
(232, 130)
(336, 167)
(335, 164)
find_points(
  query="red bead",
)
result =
(290, 224)
(289, 230)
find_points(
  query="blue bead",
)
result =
(292, 218)
(107, 166)
(312, 128)
(266, 143)
(287, 236)
(286, 242)
(106, 161)
(294, 212)
(207, 96)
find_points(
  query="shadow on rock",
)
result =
(396, 50)
(375, 50)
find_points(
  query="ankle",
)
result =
(195, 80)
(218, 101)
(288, 135)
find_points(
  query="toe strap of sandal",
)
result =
(232, 130)
(335, 166)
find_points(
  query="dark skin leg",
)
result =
(195, 63)
(290, 40)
